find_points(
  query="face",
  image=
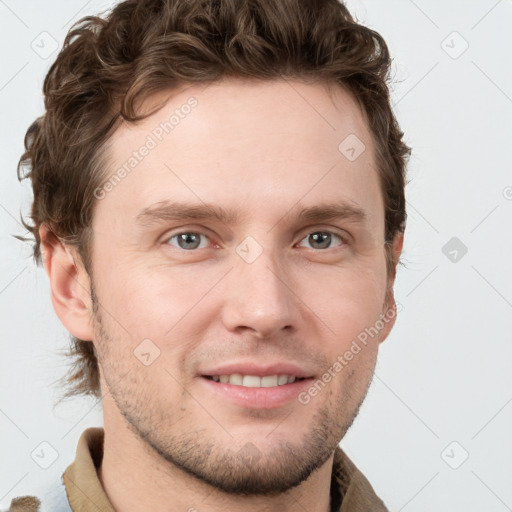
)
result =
(251, 289)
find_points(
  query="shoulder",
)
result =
(25, 504)
(53, 500)
(357, 492)
(55, 497)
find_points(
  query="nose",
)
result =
(259, 299)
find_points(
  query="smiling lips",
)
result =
(252, 375)
(252, 385)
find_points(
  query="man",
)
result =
(219, 206)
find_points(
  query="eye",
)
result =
(323, 239)
(188, 240)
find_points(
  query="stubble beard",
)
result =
(249, 470)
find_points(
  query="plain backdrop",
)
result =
(435, 430)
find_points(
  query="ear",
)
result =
(70, 285)
(390, 309)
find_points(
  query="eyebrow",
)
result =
(166, 211)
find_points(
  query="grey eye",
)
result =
(187, 240)
(321, 239)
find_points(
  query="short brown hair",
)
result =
(107, 66)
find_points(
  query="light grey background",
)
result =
(442, 389)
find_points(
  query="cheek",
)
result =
(350, 300)
(152, 303)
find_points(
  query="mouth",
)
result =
(255, 381)
(253, 384)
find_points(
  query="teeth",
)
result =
(237, 379)
(269, 381)
(253, 381)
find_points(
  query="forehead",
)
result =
(242, 145)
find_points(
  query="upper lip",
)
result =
(261, 370)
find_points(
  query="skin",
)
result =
(258, 148)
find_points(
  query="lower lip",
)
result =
(258, 398)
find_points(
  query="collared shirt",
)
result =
(81, 489)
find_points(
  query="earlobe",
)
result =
(390, 310)
(398, 244)
(388, 316)
(69, 284)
